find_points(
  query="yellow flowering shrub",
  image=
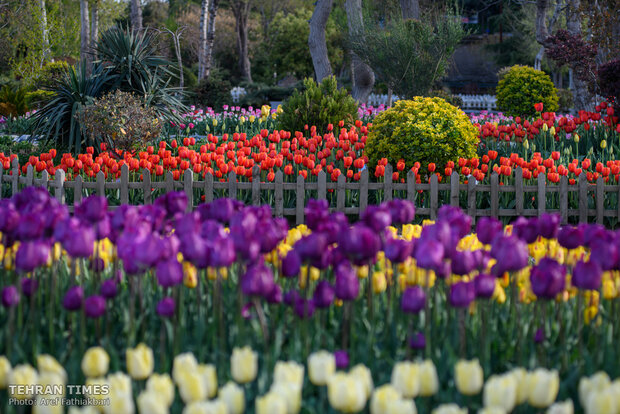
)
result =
(427, 130)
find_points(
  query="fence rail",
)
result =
(207, 187)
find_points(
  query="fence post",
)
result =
(146, 186)
(77, 190)
(411, 192)
(494, 195)
(471, 199)
(363, 191)
(387, 183)
(434, 196)
(600, 199)
(59, 192)
(300, 201)
(100, 184)
(279, 195)
(29, 175)
(124, 187)
(519, 191)
(232, 185)
(542, 193)
(44, 179)
(15, 176)
(188, 187)
(340, 188)
(564, 199)
(255, 185)
(322, 185)
(454, 189)
(169, 183)
(583, 198)
(208, 187)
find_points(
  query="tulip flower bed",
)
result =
(127, 291)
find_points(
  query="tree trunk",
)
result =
(85, 56)
(241, 9)
(210, 36)
(316, 40)
(362, 75)
(542, 6)
(136, 15)
(581, 95)
(202, 44)
(410, 9)
(44, 32)
(94, 26)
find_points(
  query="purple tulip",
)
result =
(484, 286)
(275, 296)
(291, 264)
(413, 299)
(10, 296)
(539, 337)
(312, 247)
(109, 289)
(221, 210)
(291, 297)
(347, 285)
(463, 262)
(169, 273)
(148, 251)
(462, 294)
(93, 209)
(342, 359)
(401, 211)
(360, 244)
(79, 242)
(30, 226)
(246, 310)
(174, 203)
(511, 255)
(548, 225)
(440, 232)
(304, 308)
(316, 212)
(481, 257)
(273, 232)
(417, 341)
(194, 249)
(335, 224)
(487, 229)
(94, 306)
(459, 222)
(526, 230)
(429, 254)
(9, 217)
(29, 286)
(604, 253)
(587, 275)
(97, 265)
(257, 281)
(398, 250)
(73, 298)
(570, 237)
(595, 232)
(377, 218)
(323, 294)
(31, 255)
(547, 278)
(166, 307)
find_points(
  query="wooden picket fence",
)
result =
(233, 189)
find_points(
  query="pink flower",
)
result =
(191, 125)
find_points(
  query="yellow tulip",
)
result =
(468, 376)
(95, 362)
(232, 395)
(379, 283)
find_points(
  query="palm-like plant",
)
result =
(57, 120)
(129, 62)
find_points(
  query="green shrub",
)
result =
(13, 101)
(38, 97)
(266, 94)
(565, 100)
(214, 91)
(426, 130)
(50, 74)
(318, 105)
(521, 87)
(121, 119)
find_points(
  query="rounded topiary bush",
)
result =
(521, 87)
(317, 105)
(426, 130)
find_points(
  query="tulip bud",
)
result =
(468, 376)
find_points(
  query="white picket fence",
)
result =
(470, 102)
